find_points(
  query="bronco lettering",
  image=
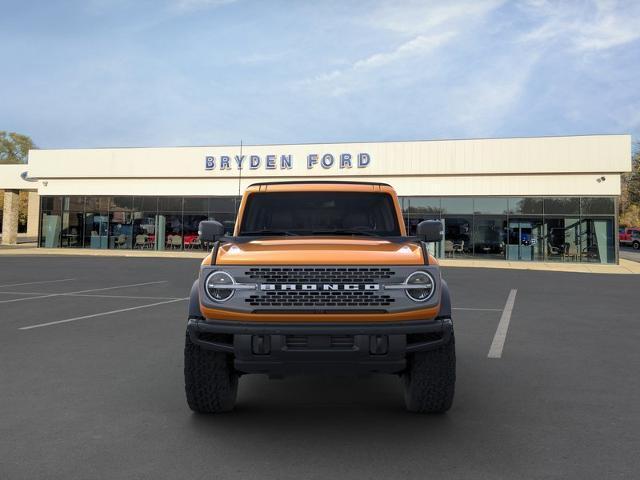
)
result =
(325, 286)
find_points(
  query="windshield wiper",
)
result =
(341, 231)
(269, 232)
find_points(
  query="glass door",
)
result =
(596, 240)
(525, 239)
(96, 231)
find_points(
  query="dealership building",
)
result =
(529, 199)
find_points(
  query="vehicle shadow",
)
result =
(352, 408)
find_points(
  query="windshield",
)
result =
(320, 213)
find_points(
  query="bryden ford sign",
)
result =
(285, 162)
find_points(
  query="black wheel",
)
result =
(636, 245)
(210, 381)
(430, 378)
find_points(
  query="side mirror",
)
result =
(210, 230)
(430, 231)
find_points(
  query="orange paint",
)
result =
(219, 314)
(320, 250)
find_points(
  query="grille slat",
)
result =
(318, 275)
(331, 299)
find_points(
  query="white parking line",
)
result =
(134, 297)
(22, 293)
(81, 291)
(501, 332)
(36, 283)
(57, 322)
(91, 295)
(473, 309)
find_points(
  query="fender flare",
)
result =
(194, 302)
(445, 302)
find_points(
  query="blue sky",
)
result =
(105, 73)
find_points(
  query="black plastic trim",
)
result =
(425, 252)
(262, 328)
(214, 252)
(248, 238)
(277, 358)
(445, 300)
(194, 302)
(319, 182)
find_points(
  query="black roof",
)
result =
(321, 182)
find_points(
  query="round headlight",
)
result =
(215, 284)
(422, 286)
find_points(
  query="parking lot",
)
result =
(91, 384)
(630, 253)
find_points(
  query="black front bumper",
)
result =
(280, 349)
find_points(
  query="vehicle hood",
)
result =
(320, 251)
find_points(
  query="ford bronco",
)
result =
(319, 277)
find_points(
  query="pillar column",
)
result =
(33, 214)
(10, 217)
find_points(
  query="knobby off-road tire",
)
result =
(430, 378)
(210, 381)
(636, 245)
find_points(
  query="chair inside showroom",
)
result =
(121, 241)
(571, 251)
(448, 248)
(553, 251)
(195, 243)
(458, 247)
(176, 242)
(141, 241)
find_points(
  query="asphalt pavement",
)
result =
(91, 385)
(629, 253)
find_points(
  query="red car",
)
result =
(630, 237)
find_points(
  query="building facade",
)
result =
(529, 199)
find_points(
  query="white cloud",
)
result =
(419, 45)
(422, 29)
(418, 16)
(339, 82)
(596, 26)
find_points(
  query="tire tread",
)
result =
(211, 383)
(430, 379)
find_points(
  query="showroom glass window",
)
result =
(223, 209)
(196, 209)
(490, 227)
(121, 222)
(96, 222)
(457, 213)
(169, 234)
(71, 233)
(417, 209)
(598, 237)
(562, 229)
(50, 221)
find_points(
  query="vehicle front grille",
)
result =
(320, 299)
(319, 274)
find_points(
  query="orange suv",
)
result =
(319, 277)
